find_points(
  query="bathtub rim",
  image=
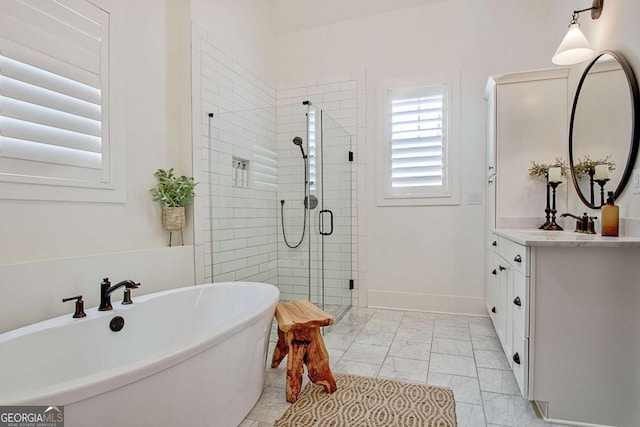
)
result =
(98, 383)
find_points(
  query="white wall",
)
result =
(82, 240)
(425, 258)
(243, 29)
(617, 29)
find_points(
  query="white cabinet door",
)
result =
(493, 285)
(491, 135)
(503, 317)
(491, 204)
(520, 303)
(519, 358)
(531, 125)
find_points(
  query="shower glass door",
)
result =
(330, 236)
(314, 209)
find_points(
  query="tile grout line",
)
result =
(433, 331)
(475, 362)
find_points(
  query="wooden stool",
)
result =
(299, 338)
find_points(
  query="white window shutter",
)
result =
(417, 136)
(54, 93)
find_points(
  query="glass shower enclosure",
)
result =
(280, 203)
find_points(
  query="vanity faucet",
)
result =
(106, 289)
(584, 223)
(581, 222)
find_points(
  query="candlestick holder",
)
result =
(591, 173)
(547, 211)
(601, 183)
(552, 224)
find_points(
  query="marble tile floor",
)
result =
(337, 311)
(461, 352)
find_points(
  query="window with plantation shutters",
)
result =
(54, 110)
(416, 141)
(417, 149)
(416, 133)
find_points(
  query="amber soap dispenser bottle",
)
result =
(610, 217)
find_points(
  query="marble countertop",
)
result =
(534, 237)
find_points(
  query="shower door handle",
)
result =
(322, 212)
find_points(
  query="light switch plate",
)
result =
(474, 197)
(635, 181)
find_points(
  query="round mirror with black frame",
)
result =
(604, 129)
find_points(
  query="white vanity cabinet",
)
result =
(565, 306)
(508, 303)
(568, 310)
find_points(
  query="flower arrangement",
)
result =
(540, 170)
(582, 167)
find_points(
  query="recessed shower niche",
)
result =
(240, 172)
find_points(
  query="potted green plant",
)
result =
(173, 193)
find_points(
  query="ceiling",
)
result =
(296, 15)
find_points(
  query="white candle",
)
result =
(602, 172)
(555, 174)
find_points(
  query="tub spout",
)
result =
(106, 289)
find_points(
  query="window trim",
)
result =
(448, 193)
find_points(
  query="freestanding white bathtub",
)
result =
(191, 356)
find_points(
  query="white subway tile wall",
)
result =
(237, 226)
(238, 218)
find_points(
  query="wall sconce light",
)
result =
(575, 47)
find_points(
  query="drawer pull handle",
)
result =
(518, 258)
(493, 309)
(494, 243)
(502, 268)
(517, 302)
(494, 272)
(516, 358)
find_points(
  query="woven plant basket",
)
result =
(173, 219)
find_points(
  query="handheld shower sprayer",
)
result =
(298, 141)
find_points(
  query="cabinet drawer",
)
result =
(520, 362)
(520, 302)
(516, 254)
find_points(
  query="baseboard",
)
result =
(542, 410)
(427, 302)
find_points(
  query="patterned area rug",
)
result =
(372, 402)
